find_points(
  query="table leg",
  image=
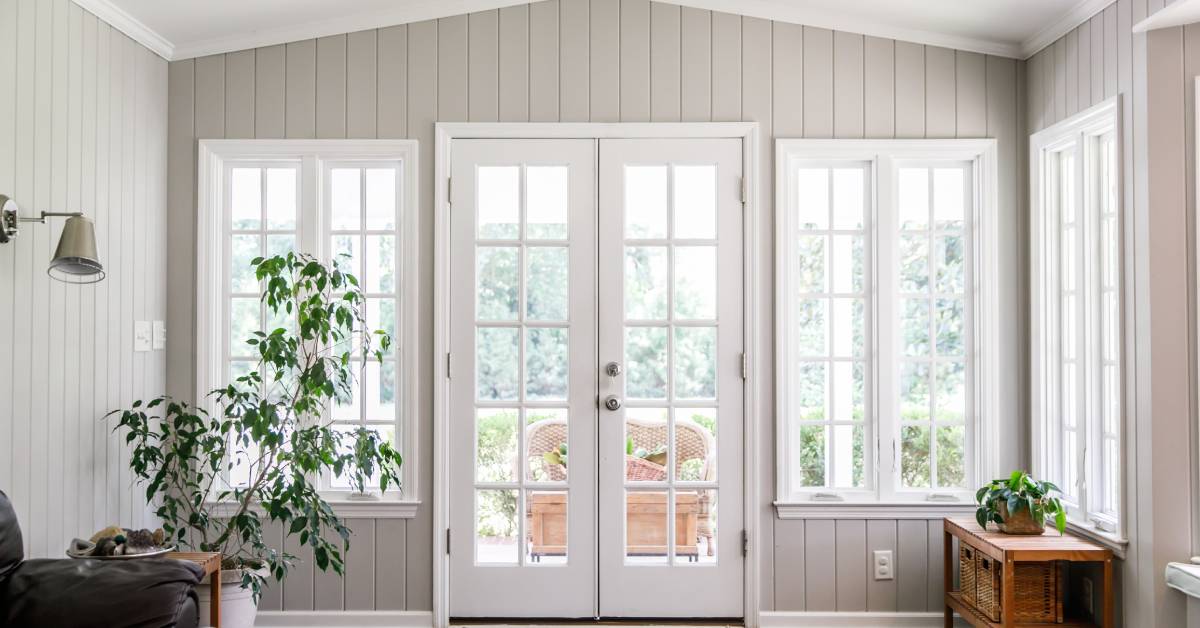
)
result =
(1007, 594)
(947, 578)
(1109, 619)
(214, 610)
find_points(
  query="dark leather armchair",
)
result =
(66, 593)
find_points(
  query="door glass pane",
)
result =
(496, 525)
(496, 365)
(346, 199)
(498, 191)
(646, 532)
(646, 201)
(245, 190)
(696, 527)
(546, 364)
(381, 199)
(547, 202)
(496, 445)
(496, 283)
(695, 362)
(646, 359)
(696, 282)
(645, 282)
(547, 269)
(646, 450)
(547, 523)
(281, 198)
(546, 437)
(696, 444)
(695, 201)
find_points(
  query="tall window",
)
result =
(351, 204)
(1077, 324)
(877, 292)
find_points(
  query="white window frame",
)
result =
(883, 497)
(215, 159)
(1079, 134)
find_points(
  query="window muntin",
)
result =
(918, 280)
(1077, 310)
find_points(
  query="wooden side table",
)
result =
(1009, 549)
(211, 562)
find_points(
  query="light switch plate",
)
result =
(884, 569)
(141, 336)
(160, 335)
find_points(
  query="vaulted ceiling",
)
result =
(179, 29)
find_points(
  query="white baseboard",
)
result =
(337, 619)
(786, 619)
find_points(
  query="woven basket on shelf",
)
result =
(1037, 597)
(966, 572)
(987, 586)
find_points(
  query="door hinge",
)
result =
(448, 364)
(745, 543)
(745, 366)
(447, 541)
(745, 193)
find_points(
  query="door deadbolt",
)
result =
(612, 403)
(612, 369)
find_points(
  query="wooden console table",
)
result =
(1009, 549)
(211, 563)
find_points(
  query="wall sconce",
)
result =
(75, 259)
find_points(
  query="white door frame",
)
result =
(444, 134)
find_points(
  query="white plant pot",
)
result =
(238, 609)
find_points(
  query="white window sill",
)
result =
(347, 508)
(872, 510)
(1107, 539)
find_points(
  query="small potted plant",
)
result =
(1020, 504)
(273, 423)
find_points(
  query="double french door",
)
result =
(596, 402)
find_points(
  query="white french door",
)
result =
(596, 379)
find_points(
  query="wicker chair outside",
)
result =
(692, 442)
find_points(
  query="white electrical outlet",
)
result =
(141, 336)
(160, 335)
(884, 569)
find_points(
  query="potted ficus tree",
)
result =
(1020, 504)
(271, 424)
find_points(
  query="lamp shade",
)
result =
(75, 259)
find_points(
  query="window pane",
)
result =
(696, 282)
(948, 198)
(245, 191)
(646, 201)
(381, 316)
(914, 326)
(347, 254)
(381, 264)
(847, 456)
(951, 455)
(241, 274)
(496, 283)
(950, 321)
(914, 263)
(546, 363)
(496, 366)
(496, 445)
(381, 390)
(381, 199)
(811, 253)
(646, 356)
(646, 282)
(696, 362)
(546, 206)
(811, 391)
(695, 201)
(812, 198)
(848, 263)
(914, 198)
(951, 391)
(810, 332)
(914, 391)
(914, 456)
(848, 389)
(810, 463)
(848, 205)
(546, 283)
(281, 198)
(951, 267)
(281, 244)
(244, 320)
(348, 404)
(346, 199)
(848, 327)
(498, 192)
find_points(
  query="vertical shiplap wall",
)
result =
(83, 117)
(611, 60)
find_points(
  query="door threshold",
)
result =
(601, 621)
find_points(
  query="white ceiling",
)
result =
(179, 29)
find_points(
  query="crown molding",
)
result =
(1080, 13)
(799, 13)
(117, 18)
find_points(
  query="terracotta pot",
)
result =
(1021, 523)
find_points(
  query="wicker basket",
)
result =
(1037, 596)
(967, 556)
